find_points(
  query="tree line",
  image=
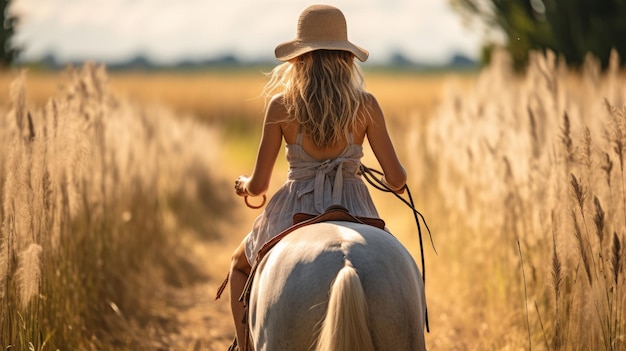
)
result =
(571, 28)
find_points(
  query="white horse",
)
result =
(336, 286)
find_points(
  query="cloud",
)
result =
(171, 30)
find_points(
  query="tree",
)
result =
(8, 50)
(572, 28)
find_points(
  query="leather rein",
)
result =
(371, 176)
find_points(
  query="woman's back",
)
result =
(369, 122)
(291, 129)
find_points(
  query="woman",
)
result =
(324, 115)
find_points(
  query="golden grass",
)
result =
(532, 161)
(96, 195)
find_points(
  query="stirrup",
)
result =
(233, 346)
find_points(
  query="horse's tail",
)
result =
(345, 326)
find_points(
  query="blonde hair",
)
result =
(323, 91)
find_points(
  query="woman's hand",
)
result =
(240, 185)
(241, 188)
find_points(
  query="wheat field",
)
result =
(117, 219)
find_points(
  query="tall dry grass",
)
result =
(97, 196)
(496, 160)
(535, 160)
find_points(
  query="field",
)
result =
(118, 218)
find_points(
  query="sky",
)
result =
(168, 31)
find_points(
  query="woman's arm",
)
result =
(378, 137)
(271, 140)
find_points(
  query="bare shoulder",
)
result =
(276, 110)
(373, 110)
(277, 99)
(370, 99)
(277, 118)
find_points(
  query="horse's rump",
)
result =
(290, 293)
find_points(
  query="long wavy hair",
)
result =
(324, 91)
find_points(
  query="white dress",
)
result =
(311, 187)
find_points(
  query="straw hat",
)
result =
(319, 27)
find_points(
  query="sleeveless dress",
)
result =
(311, 187)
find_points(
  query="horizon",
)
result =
(397, 60)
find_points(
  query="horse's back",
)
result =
(290, 293)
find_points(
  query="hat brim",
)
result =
(291, 49)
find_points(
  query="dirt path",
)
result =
(195, 320)
(189, 318)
